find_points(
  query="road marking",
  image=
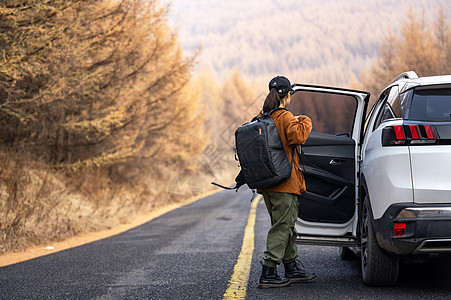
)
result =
(238, 282)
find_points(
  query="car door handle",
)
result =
(336, 162)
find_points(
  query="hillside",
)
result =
(327, 42)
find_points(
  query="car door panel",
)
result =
(327, 209)
(327, 163)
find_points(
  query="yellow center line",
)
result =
(238, 282)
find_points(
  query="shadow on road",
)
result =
(434, 275)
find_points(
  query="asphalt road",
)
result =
(190, 253)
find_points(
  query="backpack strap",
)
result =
(268, 113)
(276, 109)
(225, 187)
(236, 187)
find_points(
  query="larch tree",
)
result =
(239, 100)
(238, 104)
(422, 47)
(96, 83)
(443, 45)
(416, 47)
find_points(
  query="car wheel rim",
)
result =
(364, 237)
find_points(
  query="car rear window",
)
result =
(431, 105)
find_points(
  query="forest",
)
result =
(316, 42)
(96, 110)
(105, 115)
(424, 47)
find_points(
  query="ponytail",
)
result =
(272, 101)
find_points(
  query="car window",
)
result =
(387, 113)
(431, 105)
(370, 115)
(381, 112)
(330, 113)
(404, 99)
(391, 108)
(393, 102)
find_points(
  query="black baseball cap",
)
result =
(282, 84)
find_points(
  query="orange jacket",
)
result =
(293, 132)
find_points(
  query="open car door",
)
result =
(330, 163)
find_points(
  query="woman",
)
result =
(282, 201)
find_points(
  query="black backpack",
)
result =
(264, 162)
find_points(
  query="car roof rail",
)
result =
(406, 75)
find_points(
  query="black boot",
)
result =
(270, 279)
(295, 272)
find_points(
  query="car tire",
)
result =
(379, 268)
(346, 253)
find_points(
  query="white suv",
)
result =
(379, 181)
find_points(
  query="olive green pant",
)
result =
(281, 240)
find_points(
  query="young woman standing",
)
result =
(282, 201)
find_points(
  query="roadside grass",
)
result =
(39, 205)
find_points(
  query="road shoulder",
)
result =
(42, 250)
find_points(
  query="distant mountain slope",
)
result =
(326, 41)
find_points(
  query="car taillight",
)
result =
(399, 229)
(417, 134)
(430, 132)
(414, 132)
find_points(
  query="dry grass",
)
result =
(40, 205)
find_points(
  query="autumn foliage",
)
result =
(423, 47)
(96, 112)
(94, 83)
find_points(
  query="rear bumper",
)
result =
(428, 229)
